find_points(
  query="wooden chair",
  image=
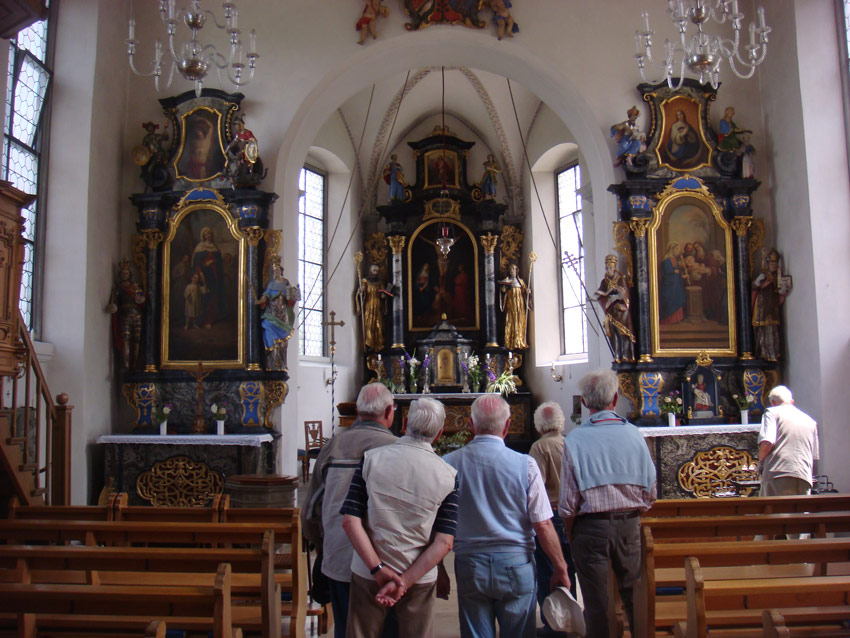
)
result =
(313, 442)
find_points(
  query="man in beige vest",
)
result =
(401, 515)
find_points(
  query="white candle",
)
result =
(752, 34)
(645, 17)
(379, 357)
(132, 29)
(761, 17)
(252, 39)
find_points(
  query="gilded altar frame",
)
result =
(681, 217)
(690, 150)
(203, 243)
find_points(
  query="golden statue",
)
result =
(370, 301)
(515, 302)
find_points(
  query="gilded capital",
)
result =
(152, 238)
(489, 242)
(639, 227)
(741, 225)
(254, 234)
(397, 243)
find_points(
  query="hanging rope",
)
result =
(573, 262)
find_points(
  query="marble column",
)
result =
(489, 242)
(397, 246)
(252, 315)
(153, 239)
(644, 340)
(741, 225)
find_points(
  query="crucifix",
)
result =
(332, 379)
(199, 425)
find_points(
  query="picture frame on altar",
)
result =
(441, 169)
(440, 284)
(203, 289)
(691, 276)
(701, 394)
(200, 156)
(682, 145)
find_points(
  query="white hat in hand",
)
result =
(563, 612)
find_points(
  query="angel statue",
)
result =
(370, 302)
(613, 296)
(278, 318)
(515, 302)
(372, 10)
(770, 288)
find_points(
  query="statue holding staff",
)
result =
(515, 302)
(371, 304)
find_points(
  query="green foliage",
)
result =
(450, 442)
(504, 384)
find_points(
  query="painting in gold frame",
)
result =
(682, 146)
(691, 276)
(201, 154)
(203, 309)
(441, 169)
(440, 284)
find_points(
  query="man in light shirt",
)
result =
(502, 504)
(788, 446)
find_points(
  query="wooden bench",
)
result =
(663, 567)
(252, 572)
(110, 608)
(286, 529)
(63, 512)
(667, 508)
(817, 524)
(737, 604)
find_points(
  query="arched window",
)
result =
(312, 209)
(571, 238)
(24, 146)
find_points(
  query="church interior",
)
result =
(429, 202)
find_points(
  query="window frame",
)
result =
(842, 20)
(576, 357)
(304, 291)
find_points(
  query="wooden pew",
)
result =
(252, 572)
(667, 508)
(162, 514)
(109, 608)
(818, 524)
(663, 566)
(63, 512)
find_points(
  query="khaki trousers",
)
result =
(366, 616)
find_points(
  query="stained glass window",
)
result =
(26, 94)
(311, 262)
(570, 232)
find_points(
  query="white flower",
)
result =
(166, 410)
(473, 361)
(751, 398)
(679, 401)
(214, 408)
(735, 396)
(413, 361)
(668, 400)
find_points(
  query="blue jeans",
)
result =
(544, 565)
(501, 587)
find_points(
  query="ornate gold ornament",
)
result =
(756, 243)
(714, 471)
(639, 226)
(397, 243)
(627, 389)
(376, 251)
(442, 207)
(650, 387)
(179, 482)
(276, 392)
(488, 242)
(153, 238)
(254, 235)
(511, 242)
(140, 259)
(703, 359)
(740, 225)
(624, 248)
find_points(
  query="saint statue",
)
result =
(394, 177)
(370, 300)
(125, 305)
(515, 302)
(278, 302)
(630, 139)
(769, 291)
(488, 180)
(244, 166)
(613, 296)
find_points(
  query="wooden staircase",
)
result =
(35, 434)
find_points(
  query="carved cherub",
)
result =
(372, 10)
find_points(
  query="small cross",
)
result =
(333, 323)
(199, 425)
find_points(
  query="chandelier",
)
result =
(193, 60)
(702, 53)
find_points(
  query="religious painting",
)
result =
(201, 156)
(442, 284)
(203, 289)
(441, 169)
(701, 394)
(691, 274)
(682, 145)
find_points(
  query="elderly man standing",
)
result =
(788, 446)
(400, 514)
(607, 480)
(547, 451)
(335, 465)
(502, 504)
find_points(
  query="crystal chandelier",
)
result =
(193, 59)
(702, 53)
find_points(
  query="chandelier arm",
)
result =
(146, 74)
(215, 20)
(746, 75)
(239, 81)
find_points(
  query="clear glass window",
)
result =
(571, 233)
(311, 262)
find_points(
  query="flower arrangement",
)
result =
(744, 402)
(449, 443)
(473, 370)
(395, 388)
(412, 370)
(219, 411)
(161, 412)
(505, 383)
(671, 403)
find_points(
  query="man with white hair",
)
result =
(607, 480)
(401, 515)
(502, 504)
(788, 446)
(321, 519)
(547, 451)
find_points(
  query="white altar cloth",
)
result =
(693, 430)
(251, 440)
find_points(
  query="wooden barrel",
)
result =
(261, 490)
